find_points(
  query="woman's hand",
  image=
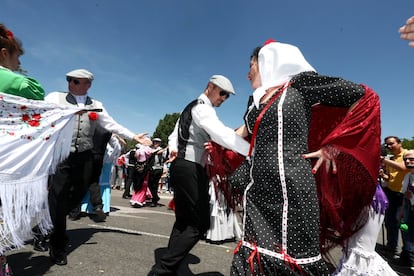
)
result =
(208, 146)
(325, 155)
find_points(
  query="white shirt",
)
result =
(104, 119)
(205, 117)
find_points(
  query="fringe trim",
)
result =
(24, 204)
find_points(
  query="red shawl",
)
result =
(343, 197)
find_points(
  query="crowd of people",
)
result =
(288, 166)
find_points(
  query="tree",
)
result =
(408, 144)
(165, 127)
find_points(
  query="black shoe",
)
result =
(153, 204)
(126, 196)
(100, 216)
(74, 215)
(58, 257)
(40, 244)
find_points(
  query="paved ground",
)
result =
(128, 243)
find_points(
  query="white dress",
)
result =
(224, 226)
(360, 257)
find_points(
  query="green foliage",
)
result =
(130, 145)
(165, 127)
(407, 143)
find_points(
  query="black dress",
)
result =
(281, 218)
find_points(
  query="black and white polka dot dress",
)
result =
(281, 218)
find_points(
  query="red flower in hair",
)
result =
(93, 116)
(9, 34)
(270, 40)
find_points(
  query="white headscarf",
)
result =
(278, 63)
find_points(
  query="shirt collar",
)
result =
(205, 99)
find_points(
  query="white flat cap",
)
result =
(81, 74)
(222, 82)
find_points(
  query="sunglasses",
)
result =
(224, 93)
(75, 81)
(408, 158)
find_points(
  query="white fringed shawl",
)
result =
(34, 137)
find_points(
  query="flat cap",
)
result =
(80, 74)
(222, 82)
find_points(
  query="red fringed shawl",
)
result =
(343, 197)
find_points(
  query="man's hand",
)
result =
(173, 155)
(143, 139)
(407, 31)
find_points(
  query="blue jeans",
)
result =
(391, 223)
(408, 236)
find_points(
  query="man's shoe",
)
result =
(58, 257)
(74, 216)
(100, 216)
(126, 196)
(40, 244)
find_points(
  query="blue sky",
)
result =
(152, 57)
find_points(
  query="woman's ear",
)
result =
(3, 53)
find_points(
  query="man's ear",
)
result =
(209, 88)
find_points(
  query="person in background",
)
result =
(113, 150)
(406, 214)
(117, 176)
(197, 125)
(130, 162)
(140, 184)
(156, 170)
(407, 31)
(393, 174)
(70, 181)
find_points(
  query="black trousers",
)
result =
(154, 179)
(191, 198)
(94, 189)
(67, 187)
(129, 180)
(395, 200)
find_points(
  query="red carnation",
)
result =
(36, 117)
(25, 118)
(34, 123)
(93, 116)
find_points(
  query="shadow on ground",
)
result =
(31, 264)
(184, 269)
(401, 270)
